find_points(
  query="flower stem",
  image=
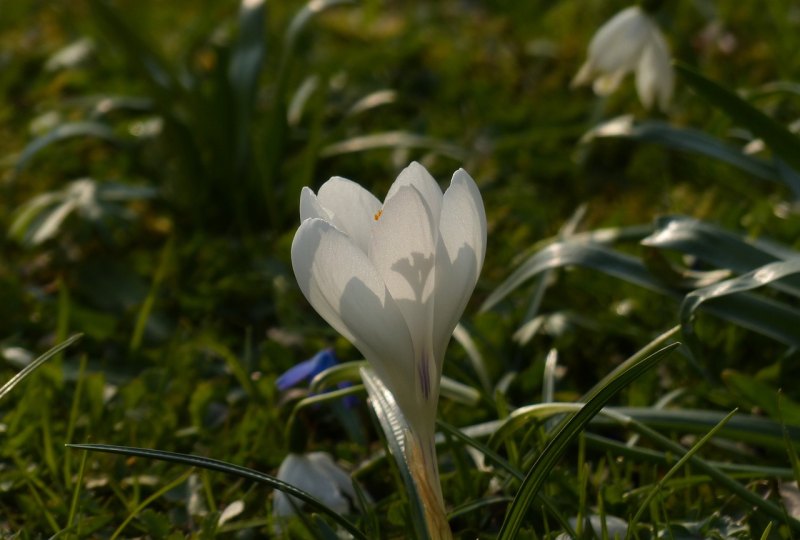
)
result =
(424, 468)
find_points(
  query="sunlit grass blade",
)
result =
(577, 253)
(769, 317)
(96, 130)
(632, 361)
(778, 138)
(30, 368)
(566, 432)
(227, 468)
(675, 468)
(463, 337)
(394, 428)
(719, 247)
(393, 139)
(693, 141)
(781, 317)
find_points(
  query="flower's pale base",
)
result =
(421, 458)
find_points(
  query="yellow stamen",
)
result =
(378, 215)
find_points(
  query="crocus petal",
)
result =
(352, 208)
(344, 287)
(310, 207)
(460, 255)
(418, 176)
(403, 249)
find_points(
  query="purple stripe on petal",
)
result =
(424, 376)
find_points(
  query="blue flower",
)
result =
(307, 370)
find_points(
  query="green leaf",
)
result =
(778, 138)
(718, 247)
(779, 321)
(578, 253)
(227, 468)
(393, 139)
(693, 141)
(394, 428)
(71, 130)
(566, 432)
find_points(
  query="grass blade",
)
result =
(675, 468)
(693, 141)
(773, 319)
(568, 430)
(71, 130)
(30, 368)
(577, 253)
(778, 138)
(227, 468)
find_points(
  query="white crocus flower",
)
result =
(630, 42)
(394, 279)
(317, 474)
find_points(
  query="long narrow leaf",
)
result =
(693, 141)
(227, 468)
(743, 428)
(71, 130)
(778, 138)
(394, 428)
(719, 247)
(752, 280)
(30, 368)
(590, 255)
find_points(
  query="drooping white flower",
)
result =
(630, 42)
(317, 474)
(394, 278)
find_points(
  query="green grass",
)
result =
(149, 197)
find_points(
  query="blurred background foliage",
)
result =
(151, 158)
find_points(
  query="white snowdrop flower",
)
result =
(630, 42)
